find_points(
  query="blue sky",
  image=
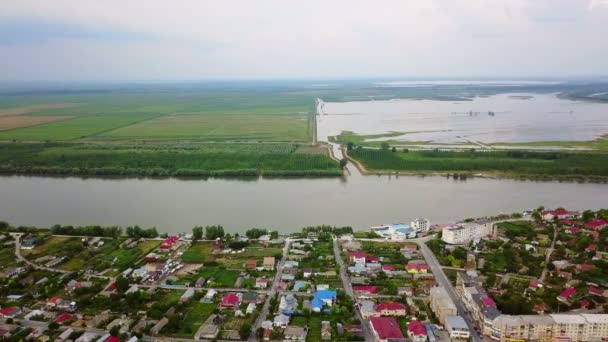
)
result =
(228, 39)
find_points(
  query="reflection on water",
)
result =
(177, 205)
(496, 118)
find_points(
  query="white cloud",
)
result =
(314, 38)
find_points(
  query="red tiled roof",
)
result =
(358, 255)
(488, 302)
(566, 222)
(55, 299)
(533, 283)
(591, 247)
(585, 267)
(416, 328)
(365, 288)
(230, 299)
(594, 234)
(63, 317)
(388, 268)
(112, 339)
(596, 224)
(8, 310)
(372, 259)
(594, 290)
(386, 327)
(584, 303)
(575, 230)
(539, 308)
(568, 292)
(390, 306)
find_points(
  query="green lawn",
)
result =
(194, 317)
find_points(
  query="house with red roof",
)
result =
(591, 248)
(357, 257)
(534, 284)
(567, 294)
(539, 309)
(488, 302)
(596, 224)
(54, 302)
(391, 309)
(112, 339)
(596, 291)
(372, 259)
(388, 269)
(549, 215)
(364, 290)
(417, 331)
(386, 328)
(574, 230)
(594, 234)
(250, 264)
(230, 301)
(62, 318)
(566, 222)
(585, 267)
(584, 304)
(10, 312)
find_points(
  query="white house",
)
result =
(420, 225)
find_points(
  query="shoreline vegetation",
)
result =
(203, 160)
(524, 165)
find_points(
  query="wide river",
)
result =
(175, 205)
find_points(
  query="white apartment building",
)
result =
(550, 328)
(420, 225)
(466, 232)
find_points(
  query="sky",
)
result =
(74, 40)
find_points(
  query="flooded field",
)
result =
(502, 118)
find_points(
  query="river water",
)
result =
(176, 205)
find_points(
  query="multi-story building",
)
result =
(465, 232)
(551, 328)
(441, 304)
(420, 225)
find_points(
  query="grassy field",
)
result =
(503, 163)
(194, 317)
(200, 252)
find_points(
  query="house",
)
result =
(159, 326)
(230, 301)
(457, 328)
(261, 283)
(325, 330)
(62, 318)
(539, 309)
(269, 263)
(321, 298)
(65, 334)
(187, 295)
(54, 302)
(249, 297)
(250, 264)
(591, 248)
(307, 272)
(585, 267)
(288, 304)
(416, 267)
(151, 258)
(267, 334)
(250, 308)
(295, 333)
(417, 331)
(567, 294)
(367, 308)
(10, 312)
(364, 290)
(406, 291)
(548, 215)
(388, 269)
(281, 321)
(200, 282)
(596, 291)
(584, 304)
(288, 277)
(534, 284)
(357, 257)
(87, 337)
(391, 309)
(299, 285)
(386, 328)
(596, 224)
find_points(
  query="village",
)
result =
(540, 275)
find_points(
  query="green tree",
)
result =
(343, 163)
(122, 284)
(385, 146)
(245, 330)
(53, 326)
(350, 146)
(214, 232)
(588, 215)
(274, 234)
(115, 330)
(197, 233)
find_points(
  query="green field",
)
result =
(502, 163)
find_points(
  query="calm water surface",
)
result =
(176, 205)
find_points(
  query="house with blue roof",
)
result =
(323, 298)
(396, 231)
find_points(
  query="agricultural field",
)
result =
(502, 163)
(200, 252)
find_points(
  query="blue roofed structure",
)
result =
(321, 298)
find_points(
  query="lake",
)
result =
(490, 119)
(175, 205)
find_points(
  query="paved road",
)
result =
(264, 312)
(548, 258)
(17, 237)
(367, 332)
(443, 280)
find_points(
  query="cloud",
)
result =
(598, 3)
(277, 38)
